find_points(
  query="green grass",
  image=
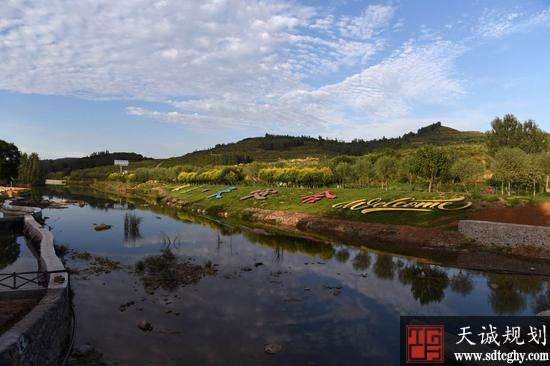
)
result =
(288, 199)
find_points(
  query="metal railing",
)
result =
(18, 280)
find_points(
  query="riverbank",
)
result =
(431, 235)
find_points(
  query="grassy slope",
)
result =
(288, 199)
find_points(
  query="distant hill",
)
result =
(102, 158)
(274, 147)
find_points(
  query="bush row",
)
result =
(313, 176)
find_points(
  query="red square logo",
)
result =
(424, 343)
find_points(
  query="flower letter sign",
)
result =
(404, 204)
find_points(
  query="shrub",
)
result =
(228, 175)
(302, 176)
(115, 177)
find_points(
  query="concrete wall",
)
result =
(42, 336)
(500, 233)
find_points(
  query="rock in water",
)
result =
(145, 326)
(273, 348)
(102, 227)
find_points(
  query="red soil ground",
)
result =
(527, 215)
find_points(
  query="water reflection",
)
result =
(384, 267)
(318, 299)
(508, 293)
(462, 283)
(9, 250)
(342, 255)
(131, 227)
(361, 262)
(428, 283)
(542, 300)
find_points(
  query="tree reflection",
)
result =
(508, 292)
(361, 262)
(282, 243)
(428, 283)
(542, 301)
(384, 266)
(9, 250)
(342, 256)
(462, 284)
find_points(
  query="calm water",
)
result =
(325, 305)
(15, 255)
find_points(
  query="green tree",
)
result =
(386, 170)
(36, 174)
(508, 131)
(23, 170)
(533, 139)
(30, 170)
(364, 168)
(406, 171)
(505, 131)
(534, 172)
(510, 166)
(467, 170)
(9, 162)
(542, 162)
(432, 163)
(344, 172)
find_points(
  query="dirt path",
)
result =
(527, 214)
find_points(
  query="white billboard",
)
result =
(122, 162)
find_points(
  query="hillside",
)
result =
(274, 147)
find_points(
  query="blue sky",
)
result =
(163, 78)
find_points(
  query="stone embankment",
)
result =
(505, 234)
(42, 336)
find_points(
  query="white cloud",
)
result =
(418, 74)
(232, 63)
(498, 24)
(372, 20)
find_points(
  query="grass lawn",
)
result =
(288, 199)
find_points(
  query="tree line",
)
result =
(19, 168)
(515, 157)
(95, 159)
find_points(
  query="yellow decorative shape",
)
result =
(404, 204)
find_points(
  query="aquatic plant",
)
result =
(166, 271)
(131, 226)
(169, 242)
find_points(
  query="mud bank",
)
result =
(437, 245)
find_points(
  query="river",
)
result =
(325, 305)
